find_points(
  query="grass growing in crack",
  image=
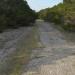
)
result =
(21, 56)
(23, 53)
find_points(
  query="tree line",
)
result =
(62, 14)
(15, 13)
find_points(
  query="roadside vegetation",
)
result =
(15, 13)
(62, 14)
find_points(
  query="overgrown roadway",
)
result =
(56, 56)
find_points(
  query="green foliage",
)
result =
(69, 15)
(62, 14)
(15, 13)
(52, 14)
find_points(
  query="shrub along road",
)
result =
(55, 56)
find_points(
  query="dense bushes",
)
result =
(63, 14)
(52, 14)
(15, 13)
(69, 15)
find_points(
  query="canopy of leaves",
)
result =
(15, 13)
(62, 14)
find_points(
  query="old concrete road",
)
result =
(56, 57)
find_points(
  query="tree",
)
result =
(15, 13)
(61, 14)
